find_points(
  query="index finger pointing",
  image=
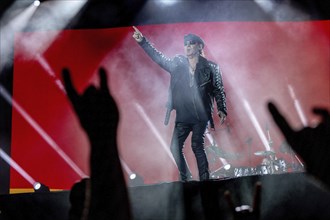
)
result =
(137, 30)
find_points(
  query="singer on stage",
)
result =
(195, 83)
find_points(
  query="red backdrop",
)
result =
(258, 60)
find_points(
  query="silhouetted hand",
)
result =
(245, 212)
(79, 199)
(312, 144)
(96, 108)
(99, 116)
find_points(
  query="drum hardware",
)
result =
(263, 169)
(270, 164)
(268, 153)
(244, 171)
(279, 166)
(248, 141)
(296, 165)
(268, 160)
(265, 153)
(273, 165)
(214, 152)
(222, 172)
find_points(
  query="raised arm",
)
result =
(157, 56)
(99, 116)
(311, 143)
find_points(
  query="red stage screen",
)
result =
(287, 62)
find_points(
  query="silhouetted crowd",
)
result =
(104, 195)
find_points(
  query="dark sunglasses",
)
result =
(189, 42)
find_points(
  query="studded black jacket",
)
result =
(208, 79)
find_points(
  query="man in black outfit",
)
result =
(195, 83)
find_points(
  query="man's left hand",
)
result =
(222, 117)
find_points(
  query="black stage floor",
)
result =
(284, 196)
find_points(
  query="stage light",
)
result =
(278, 8)
(132, 176)
(227, 166)
(129, 172)
(54, 16)
(256, 125)
(167, 2)
(135, 180)
(5, 94)
(36, 186)
(16, 166)
(49, 70)
(267, 6)
(154, 130)
(40, 188)
(298, 106)
(36, 3)
(14, 20)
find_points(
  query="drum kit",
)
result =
(270, 164)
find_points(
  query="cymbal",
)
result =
(264, 153)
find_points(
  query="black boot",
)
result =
(204, 176)
(185, 177)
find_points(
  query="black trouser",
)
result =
(180, 134)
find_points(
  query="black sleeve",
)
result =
(218, 88)
(157, 56)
